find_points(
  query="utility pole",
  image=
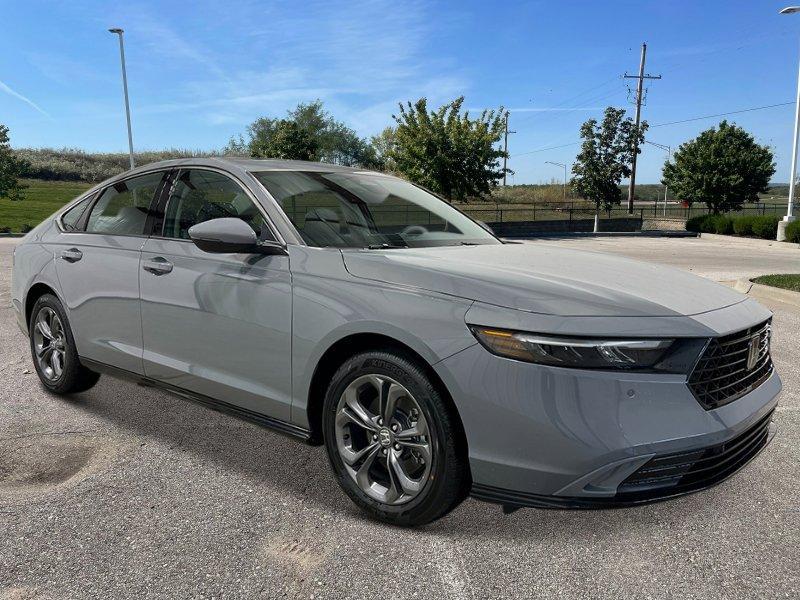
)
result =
(639, 90)
(558, 164)
(118, 31)
(505, 151)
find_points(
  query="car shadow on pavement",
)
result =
(294, 469)
(180, 426)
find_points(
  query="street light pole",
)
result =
(558, 164)
(789, 217)
(120, 32)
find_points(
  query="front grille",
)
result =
(682, 472)
(722, 373)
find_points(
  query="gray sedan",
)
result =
(432, 359)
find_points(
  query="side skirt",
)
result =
(278, 425)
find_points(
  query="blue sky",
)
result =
(200, 71)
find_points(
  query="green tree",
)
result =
(383, 146)
(605, 157)
(11, 169)
(447, 151)
(308, 133)
(282, 138)
(723, 167)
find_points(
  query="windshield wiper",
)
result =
(386, 246)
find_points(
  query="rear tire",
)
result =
(53, 350)
(392, 440)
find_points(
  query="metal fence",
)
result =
(505, 213)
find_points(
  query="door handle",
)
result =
(72, 255)
(157, 266)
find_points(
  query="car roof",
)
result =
(239, 166)
(243, 164)
(271, 164)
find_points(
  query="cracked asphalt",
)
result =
(129, 492)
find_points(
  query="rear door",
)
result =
(97, 262)
(216, 324)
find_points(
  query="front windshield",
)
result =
(365, 210)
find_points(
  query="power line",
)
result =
(570, 99)
(733, 112)
(745, 42)
(555, 116)
(546, 149)
(566, 111)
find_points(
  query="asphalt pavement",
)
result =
(129, 492)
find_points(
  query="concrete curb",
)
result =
(745, 286)
(747, 241)
(575, 234)
(12, 235)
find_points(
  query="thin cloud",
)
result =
(277, 63)
(248, 59)
(19, 96)
(64, 70)
(164, 40)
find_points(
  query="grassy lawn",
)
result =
(787, 282)
(42, 199)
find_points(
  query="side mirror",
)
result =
(230, 235)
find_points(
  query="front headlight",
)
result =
(665, 355)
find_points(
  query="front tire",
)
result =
(53, 350)
(393, 441)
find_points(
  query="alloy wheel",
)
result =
(384, 439)
(50, 343)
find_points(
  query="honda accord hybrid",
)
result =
(433, 360)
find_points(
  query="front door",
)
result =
(98, 270)
(216, 324)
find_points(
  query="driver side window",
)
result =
(198, 195)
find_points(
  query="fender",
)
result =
(35, 264)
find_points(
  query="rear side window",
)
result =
(123, 207)
(72, 218)
(200, 195)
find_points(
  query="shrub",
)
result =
(722, 225)
(793, 232)
(766, 227)
(5, 229)
(69, 164)
(700, 224)
(744, 225)
(26, 228)
(762, 226)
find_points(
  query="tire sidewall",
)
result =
(70, 354)
(408, 375)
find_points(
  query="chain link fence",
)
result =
(570, 211)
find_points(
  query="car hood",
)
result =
(544, 278)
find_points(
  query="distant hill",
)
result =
(70, 164)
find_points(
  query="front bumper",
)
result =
(543, 436)
(661, 478)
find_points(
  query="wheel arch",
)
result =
(350, 345)
(36, 291)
